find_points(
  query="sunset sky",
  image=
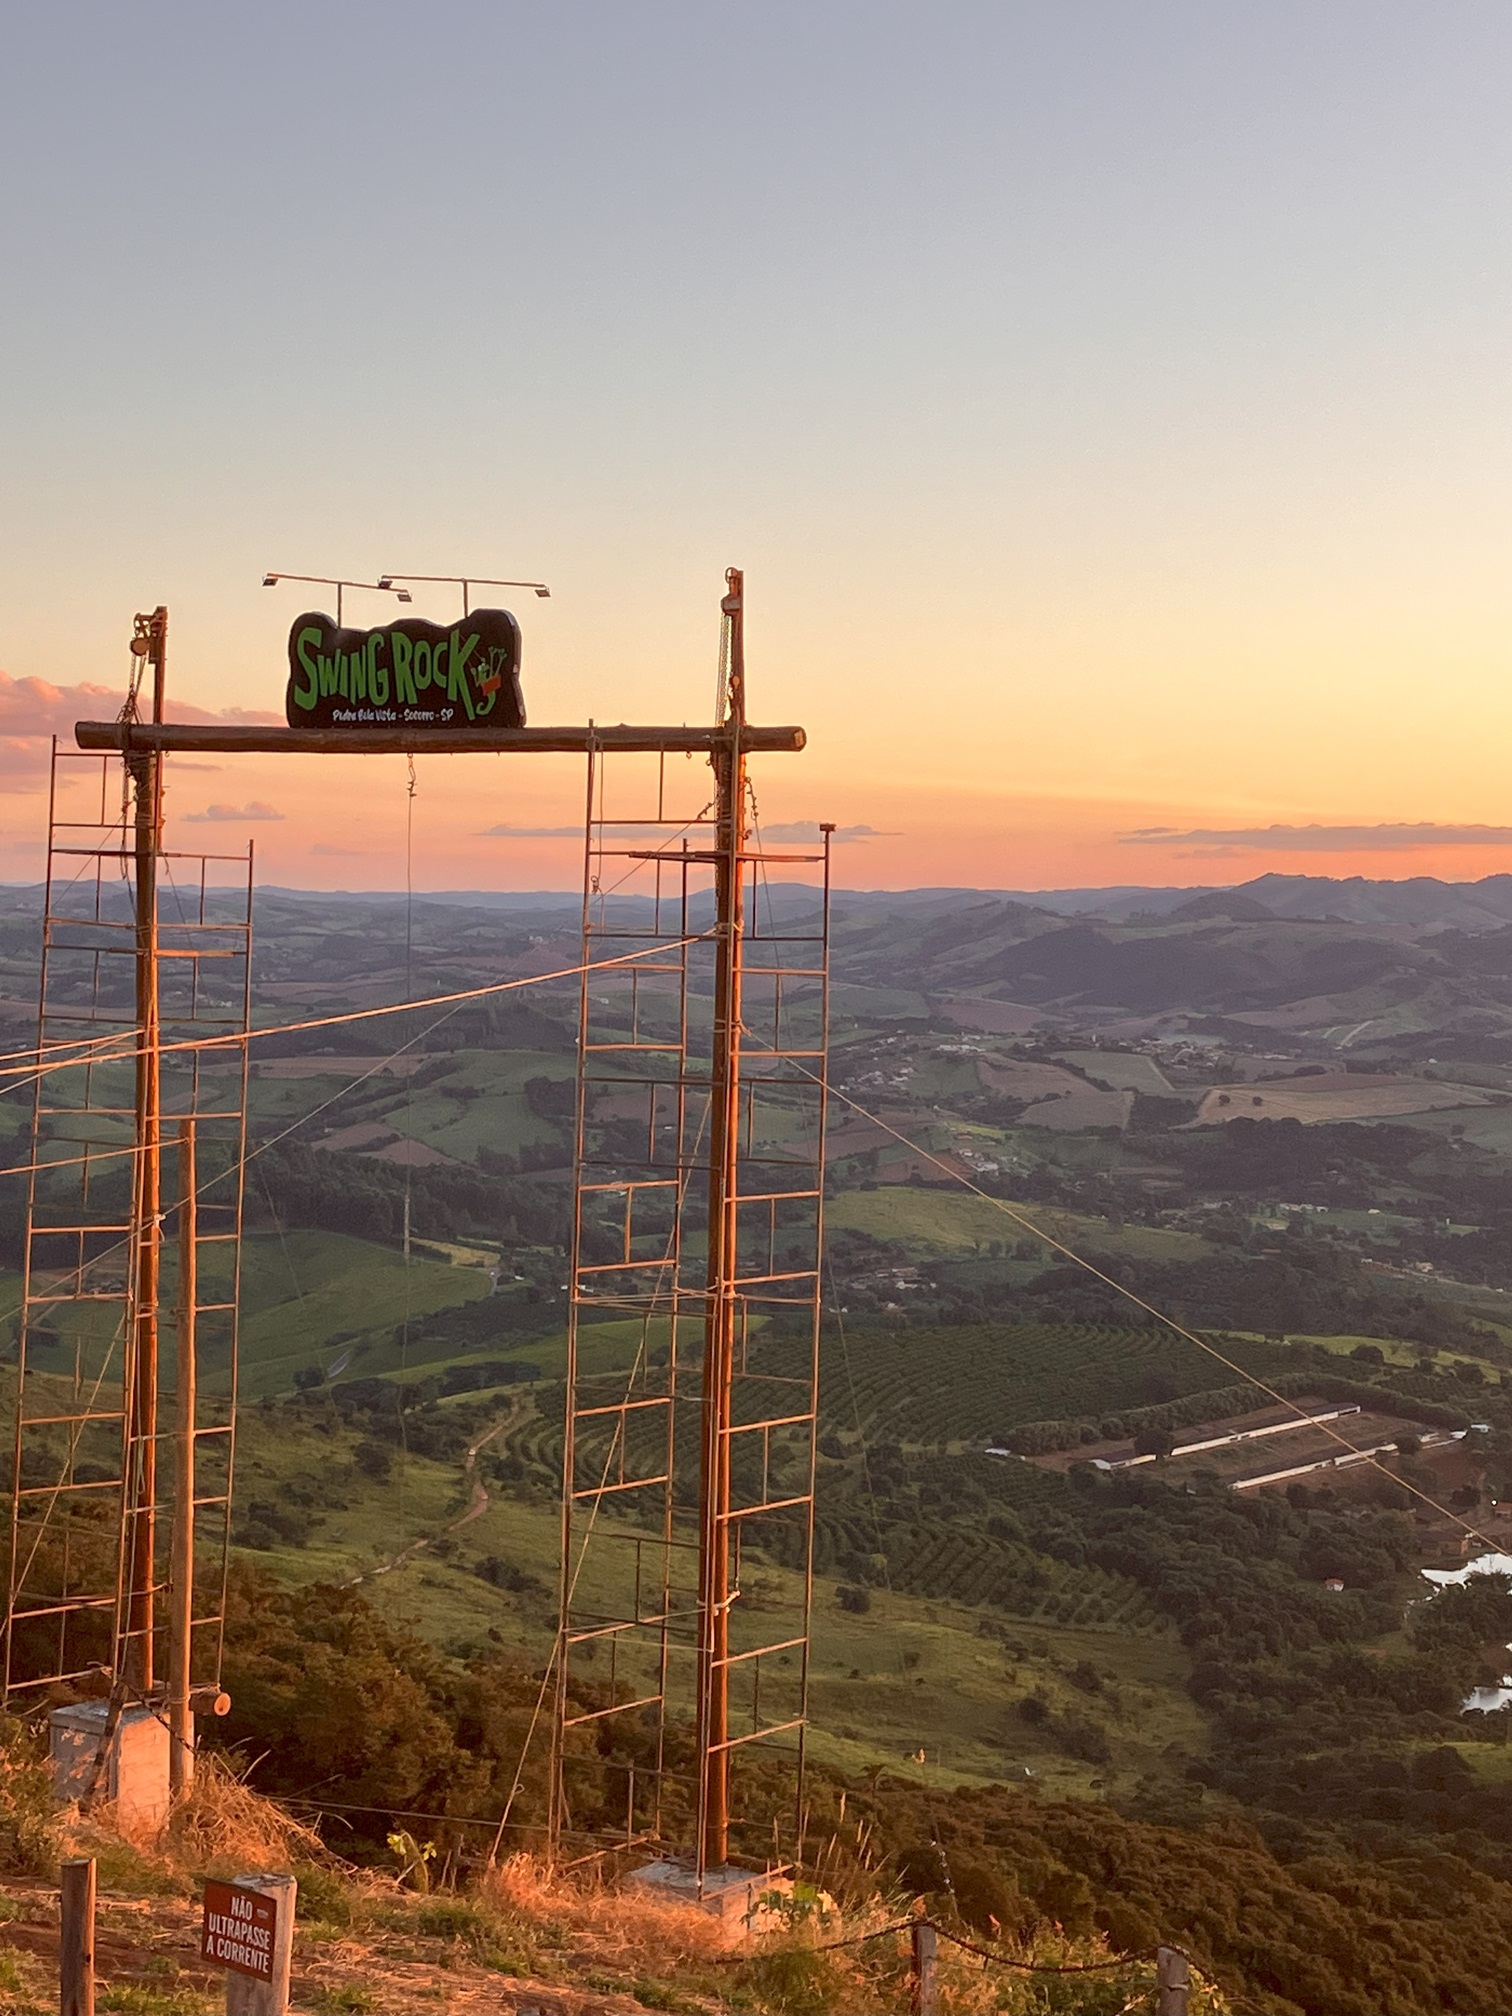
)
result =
(1109, 404)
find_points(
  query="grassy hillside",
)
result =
(907, 1673)
(308, 1297)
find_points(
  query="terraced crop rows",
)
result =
(962, 1566)
(933, 1388)
(863, 1539)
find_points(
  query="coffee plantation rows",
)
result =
(958, 1564)
(963, 1388)
(969, 1385)
(926, 1552)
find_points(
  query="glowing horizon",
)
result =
(1117, 458)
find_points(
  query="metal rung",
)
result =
(66, 1420)
(24, 1614)
(773, 1421)
(761, 1651)
(759, 1735)
(52, 1490)
(626, 1407)
(770, 1505)
(611, 1490)
(619, 1708)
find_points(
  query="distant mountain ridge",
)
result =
(1421, 902)
(1316, 963)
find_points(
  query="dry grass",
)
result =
(624, 1929)
(224, 1821)
(222, 1828)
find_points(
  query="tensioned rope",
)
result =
(378, 1064)
(233, 1037)
(333, 1021)
(1056, 1245)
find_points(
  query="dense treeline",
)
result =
(1315, 1726)
(1330, 1933)
(364, 1198)
(1305, 1284)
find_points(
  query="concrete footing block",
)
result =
(132, 1775)
(745, 1903)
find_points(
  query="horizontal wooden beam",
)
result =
(270, 741)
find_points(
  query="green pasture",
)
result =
(1125, 1072)
(480, 1101)
(877, 1004)
(931, 1221)
(302, 1291)
(309, 1296)
(1484, 1126)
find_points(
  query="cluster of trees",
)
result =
(404, 1413)
(356, 1194)
(1390, 1935)
(1306, 1285)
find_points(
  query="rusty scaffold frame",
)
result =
(700, 1123)
(688, 1467)
(146, 953)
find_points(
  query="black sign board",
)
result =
(410, 674)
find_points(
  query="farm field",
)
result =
(1329, 1096)
(1484, 1126)
(452, 1102)
(1086, 1107)
(1125, 1071)
(1399, 1351)
(995, 1018)
(306, 1295)
(940, 1221)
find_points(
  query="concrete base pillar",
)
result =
(132, 1775)
(742, 1902)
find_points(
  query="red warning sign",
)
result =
(238, 1928)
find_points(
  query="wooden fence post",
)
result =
(76, 1908)
(1173, 1977)
(246, 1996)
(926, 1952)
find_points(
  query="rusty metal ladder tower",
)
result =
(146, 954)
(689, 1433)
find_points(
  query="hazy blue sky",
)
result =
(1109, 401)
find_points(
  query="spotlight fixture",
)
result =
(333, 581)
(466, 582)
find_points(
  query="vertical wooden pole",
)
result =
(146, 770)
(719, 1307)
(181, 1580)
(76, 1904)
(925, 1970)
(1173, 1978)
(246, 1996)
